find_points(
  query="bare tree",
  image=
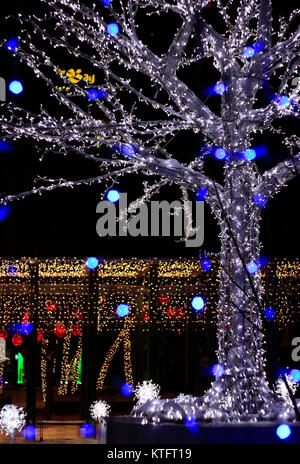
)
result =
(156, 105)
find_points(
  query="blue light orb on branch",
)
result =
(91, 263)
(283, 431)
(295, 375)
(249, 154)
(283, 100)
(127, 149)
(260, 200)
(220, 153)
(198, 303)
(269, 313)
(112, 29)
(219, 88)
(106, 2)
(201, 194)
(252, 267)
(15, 87)
(102, 94)
(205, 264)
(122, 310)
(92, 94)
(248, 52)
(113, 195)
(12, 44)
(217, 370)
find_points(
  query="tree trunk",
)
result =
(242, 393)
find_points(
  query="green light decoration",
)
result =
(20, 368)
(79, 369)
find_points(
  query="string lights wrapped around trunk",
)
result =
(247, 56)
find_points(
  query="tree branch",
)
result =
(265, 23)
(272, 180)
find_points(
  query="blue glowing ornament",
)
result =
(87, 431)
(12, 270)
(217, 370)
(4, 212)
(15, 87)
(113, 196)
(192, 425)
(205, 264)
(198, 303)
(283, 431)
(15, 327)
(106, 2)
(219, 88)
(252, 267)
(249, 154)
(127, 389)
(29, 432)
(248, 52)
(112, 28)
(12, 44)
(201, 194)
(295, 375)
(127, 149)
(92, 94)
(220, 153)
(5, 147)
(91, 263)
(122, 310)
(26, 328)
(102, 94)
(260, 200)
(284, 101)
(269, 313)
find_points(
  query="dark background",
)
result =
(63, 223)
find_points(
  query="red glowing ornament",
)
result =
(76, 330)
(175, 312)
(40, 336)
(52, 306)
(25, 318)
(60, 329)
(146, 317)
(3, 334)
(78, 314)
(164, 300)
(17, 339)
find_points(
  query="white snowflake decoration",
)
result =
(99, 409)
(12, 418)
(145, 391)
(281, 389)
